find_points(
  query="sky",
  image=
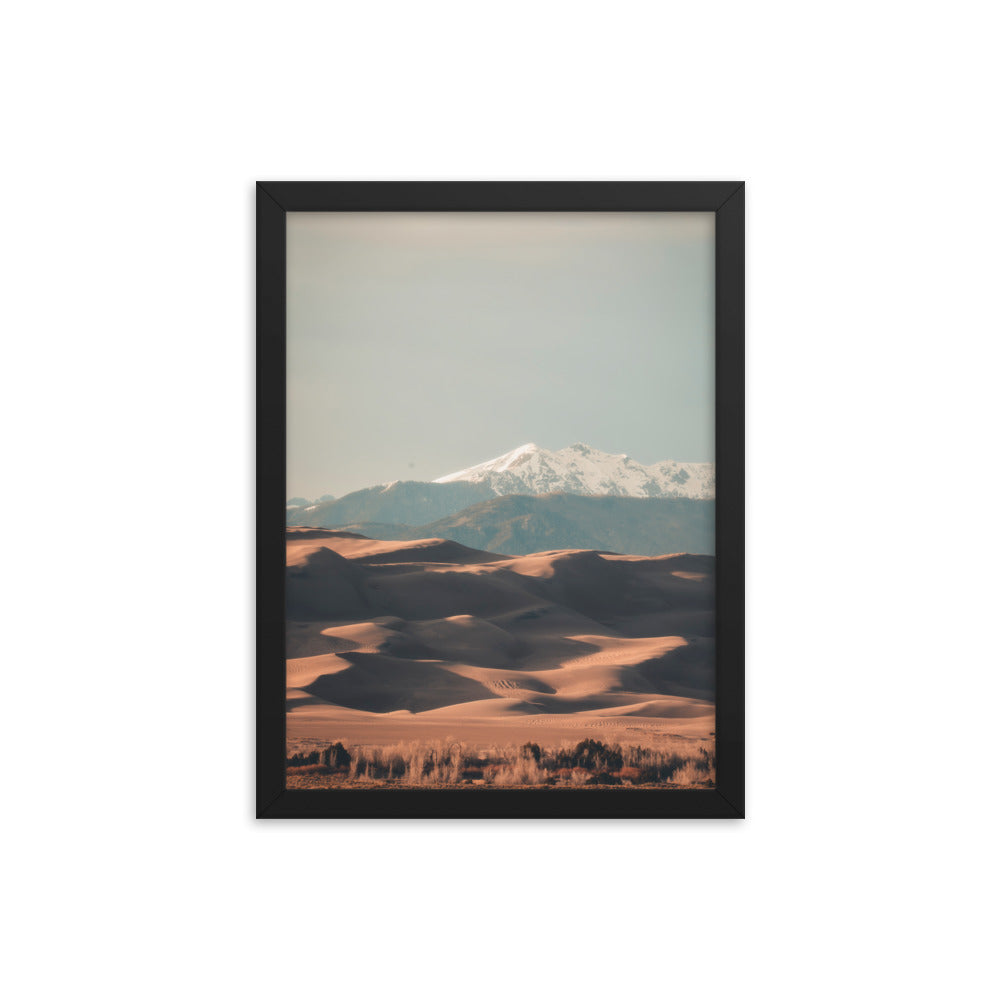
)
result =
(422, 343)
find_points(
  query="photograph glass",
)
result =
(500, 500)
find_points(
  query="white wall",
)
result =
(866, 136)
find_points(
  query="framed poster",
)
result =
(500, 499)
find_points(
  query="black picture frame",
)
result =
(274, 201)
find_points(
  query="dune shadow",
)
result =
(378, 683)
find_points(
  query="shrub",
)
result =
(603, 778)
(594, 755)
(336, 756)
(523, 771)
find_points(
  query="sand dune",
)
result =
(303, 541)
(399, 640)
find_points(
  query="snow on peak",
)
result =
(584, 470)
(507, 461)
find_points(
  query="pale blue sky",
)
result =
(422, 343)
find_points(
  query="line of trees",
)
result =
(590, 762)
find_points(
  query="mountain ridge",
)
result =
(585, 471)
(531, 499)
(529, 470)
(519, 525)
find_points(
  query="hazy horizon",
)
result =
(423, 343)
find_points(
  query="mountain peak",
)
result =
(503, 463)
(583, 470)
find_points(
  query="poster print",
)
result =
(500, 503)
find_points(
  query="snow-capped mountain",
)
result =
(586, 471)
